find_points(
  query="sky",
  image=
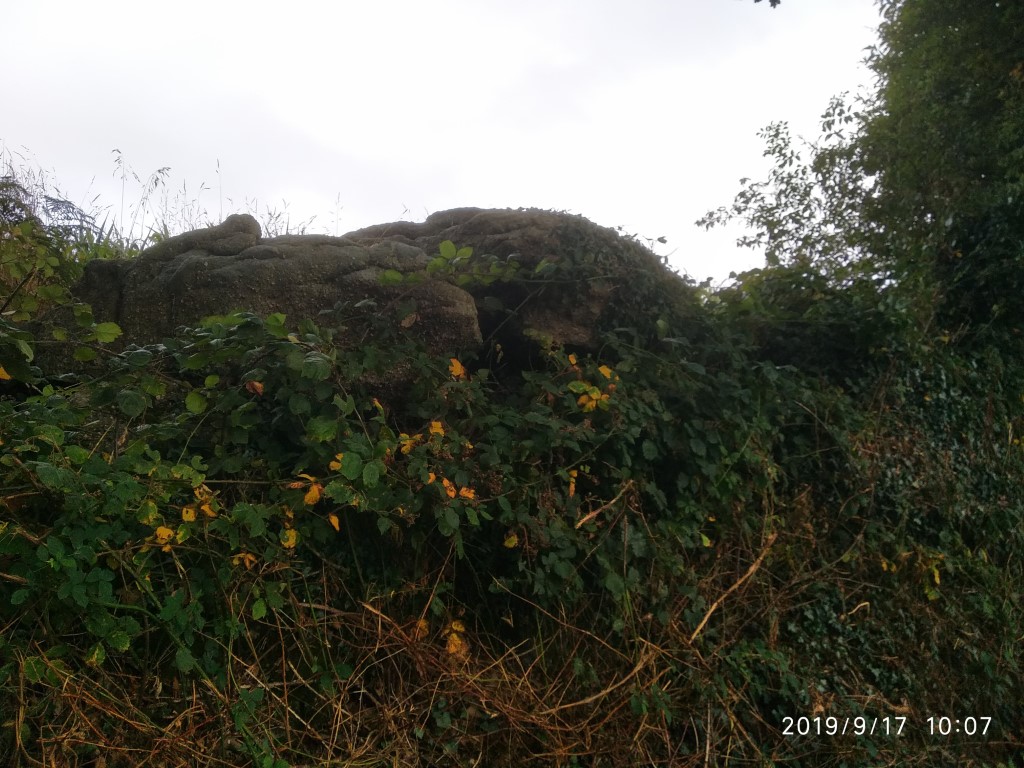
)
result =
(641, 115)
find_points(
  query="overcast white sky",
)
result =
(639, 114)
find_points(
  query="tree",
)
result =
(922, 184)
(945, 146)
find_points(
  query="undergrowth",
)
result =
(700, 546)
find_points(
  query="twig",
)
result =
(591, 515)
(750, 572)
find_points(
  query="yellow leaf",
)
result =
(408, 443)
(208, 510)
(456, 626)
(605, 371)
(254, 388)
(335, 521)
(245, 558)
(421, 630)
(511, 541)
(202, 492)
(188, 514)
(4, 375)
(313, 494)
(336, 464)
(467, 493)
(289, 538)
(457, 647)
(436, 428)
(449, 487)
(378, 406)
(163, 534)
(457, 369)
(572, 359)
(308, 477)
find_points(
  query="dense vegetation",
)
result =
(797, 498)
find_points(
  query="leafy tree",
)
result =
(945, 146)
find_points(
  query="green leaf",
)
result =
(106, 332)
(57, 478)
(316, 366)
(138, 358)
(615, 584)
(120, 640)
(391, 277)
(259, 609)
(51, 432)
(322, 429)
(338, 491)
(153, 386)
(131, 403)
(449, 522)
(447, 250)
(196, 361)
(543, 267)
(275, 600)
(84, 354)
(19, 596)
(650, 450)
(96, 656)
(371, 474)
(34, 668)
(299, 404)
(274, 325)
(184, 660)
(83, 315)
(195, 402)
(352, 466)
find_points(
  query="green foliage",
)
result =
(798, 496)
(944, 144)
(193, 511)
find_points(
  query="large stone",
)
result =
(606, 279)
(603, 279)
(229, 267)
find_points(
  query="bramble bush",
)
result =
(258, 543)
